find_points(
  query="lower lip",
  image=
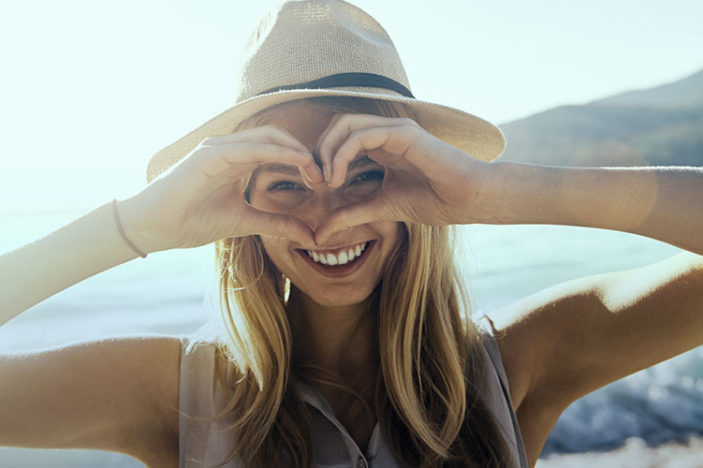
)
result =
(339, 270)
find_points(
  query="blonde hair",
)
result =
(431, 373)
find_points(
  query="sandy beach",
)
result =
(634, 454)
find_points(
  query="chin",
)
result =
(339, 298)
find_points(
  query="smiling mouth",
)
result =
(338, 262)
(338, 257)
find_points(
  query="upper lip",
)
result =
(334, 249)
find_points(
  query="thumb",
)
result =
(279, 225)
(354, 215)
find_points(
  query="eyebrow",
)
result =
(278, 168)
(361, 161)
(286, 169)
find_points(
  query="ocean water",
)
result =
(165, 294)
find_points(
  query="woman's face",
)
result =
(348, 267)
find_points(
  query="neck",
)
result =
(340, 339)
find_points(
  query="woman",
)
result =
(329, 192)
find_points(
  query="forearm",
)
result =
(664, 203)
(86, 246)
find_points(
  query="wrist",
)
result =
(514, 193)
(136, 227)
(120, 228)
(490, 190)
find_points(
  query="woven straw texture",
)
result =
(305, 40)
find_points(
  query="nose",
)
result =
(319, 205)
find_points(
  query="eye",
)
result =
(284, 186)
(365, 183)
(375, 175)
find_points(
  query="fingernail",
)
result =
(317, 176)
(306, 178)
(319, 172)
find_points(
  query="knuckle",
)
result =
(352, 140)
(271, 128)
(346, 121)
(206, 152)
(411, 131)
(243, 147)
(410, 128)
(207, 141)
(407, 121)
(340, 118)
(259, 132)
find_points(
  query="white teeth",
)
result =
(341, 258)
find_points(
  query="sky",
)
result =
(90, 89)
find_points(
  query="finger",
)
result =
(355, 214)
(309, 183)
(321, 147)
(338, 131)
(311, 172)
(360, 141)
(242, 157)
(273, 135)
(264, 133)
(385, 145)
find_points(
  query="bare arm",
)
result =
(118, 395)
(81, 249)
(450, 187)
(197, 202)
(576, 337)
(121, 395)
(664, 203)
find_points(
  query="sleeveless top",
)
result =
(205, 443)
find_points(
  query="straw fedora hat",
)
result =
(308, 48)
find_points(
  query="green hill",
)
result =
(657, 126)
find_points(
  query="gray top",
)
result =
(204, 443)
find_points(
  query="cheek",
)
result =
(392, 234)
(393, 239)
(281, 203)
(277, 251)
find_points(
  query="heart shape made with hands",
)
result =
(425, 180)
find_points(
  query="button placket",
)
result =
(361, 462)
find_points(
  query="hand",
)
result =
(201, 199)
(427, 180)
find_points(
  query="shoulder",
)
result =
(528, 334)
(503, 355)
(149, 367)
(531, 331)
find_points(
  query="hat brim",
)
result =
(473, 135)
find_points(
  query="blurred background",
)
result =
(90, 90)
